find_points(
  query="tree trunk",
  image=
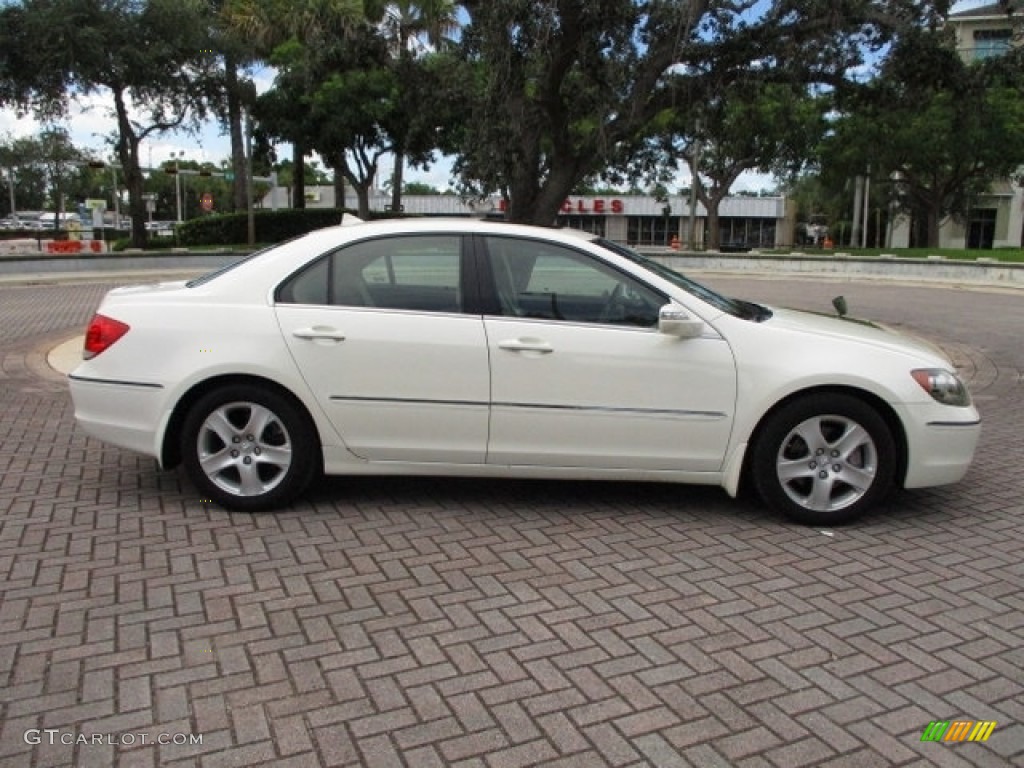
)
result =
(128, 154)
(934, 220)
(714, 237)
(363, 193)
(529, 204)
(396, 181)
(299, 171)
(339, 182)
(238, 167)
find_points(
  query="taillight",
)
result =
(102, 332)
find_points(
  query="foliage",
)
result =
(153, 57)
(751, 124)
(271, 226)
(939, 129)
(560, 90)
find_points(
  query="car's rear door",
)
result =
(378, 330)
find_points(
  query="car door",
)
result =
(580, 375)
(378, 332)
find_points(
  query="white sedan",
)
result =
(462, 347)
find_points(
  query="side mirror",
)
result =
(673, 320)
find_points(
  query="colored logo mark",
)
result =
(958, 730)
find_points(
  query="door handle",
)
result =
(319, 332)
(526, 345)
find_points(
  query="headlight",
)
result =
(945, 387)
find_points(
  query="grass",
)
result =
(1009, 255)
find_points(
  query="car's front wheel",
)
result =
(248, 448)
(824, 459)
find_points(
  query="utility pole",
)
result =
(858, 204)
(867, 208)
(248, 179)
(691, 240)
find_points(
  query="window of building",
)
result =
(592, 224)
(746, 232)
(991, 42)
(651, 230)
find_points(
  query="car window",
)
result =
(552, 282)
(420, 273)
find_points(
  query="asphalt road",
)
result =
(494, 624)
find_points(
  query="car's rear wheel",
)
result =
(248, 448)
(824, 459)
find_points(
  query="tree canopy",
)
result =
(938, 130)
(561, 89)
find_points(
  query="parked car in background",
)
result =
(462, 347)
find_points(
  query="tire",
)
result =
(787, 466)
(249, 448)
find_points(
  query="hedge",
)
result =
(271, 226)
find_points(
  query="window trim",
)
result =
(468, 279)
(491, 305)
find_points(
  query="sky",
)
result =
(90, 123)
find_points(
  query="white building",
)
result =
(996, 219)
(744, 222)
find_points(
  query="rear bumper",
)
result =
(125, 414)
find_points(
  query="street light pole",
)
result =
(10, 185)
(177, 182)
(117, 197)
(248, 180)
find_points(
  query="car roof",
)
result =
(355, 229)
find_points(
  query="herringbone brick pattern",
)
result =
(412, 622)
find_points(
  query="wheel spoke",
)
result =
(810, 432)
(216, 462)
(251, 484)
(259, 419)
(217, 422)
(278, 456)
(821, 494)
(852, 438)
(858, 479)
(794, 470)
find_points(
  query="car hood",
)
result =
(860, 331)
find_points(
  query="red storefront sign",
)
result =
(595, 206)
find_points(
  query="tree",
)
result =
(412, 28)
(289, 33)
(562, 89)
(748, 125)
(941, 130)
(151, 56)
(237, 91)
(18, 160)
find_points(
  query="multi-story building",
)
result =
(996, 219)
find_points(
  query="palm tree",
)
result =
(412, 29)
(268, 24)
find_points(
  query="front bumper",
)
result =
(941, 444)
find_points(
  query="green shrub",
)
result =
(271, 226)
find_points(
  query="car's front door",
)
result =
(378, 331)
(581, 377)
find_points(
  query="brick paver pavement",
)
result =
(423, 622)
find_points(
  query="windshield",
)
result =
(735, 307)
